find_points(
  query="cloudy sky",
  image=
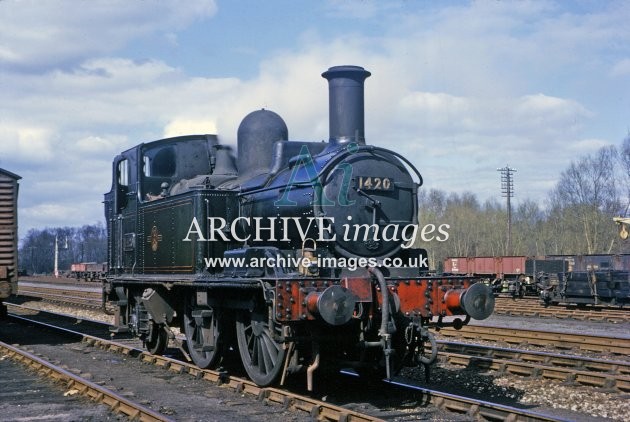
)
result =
(459, 87)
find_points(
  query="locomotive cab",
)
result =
(169, 161)
(155, 173)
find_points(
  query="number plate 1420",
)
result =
(374, 183)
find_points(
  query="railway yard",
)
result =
(228, 285)
(556, 363)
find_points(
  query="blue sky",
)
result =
(461, 88)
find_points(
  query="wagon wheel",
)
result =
(203, 335)
(521, 285)
(157, 339)
(262, 356)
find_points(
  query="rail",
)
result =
(116, 402)
(571, 369)
(559, 340)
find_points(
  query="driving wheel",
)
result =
(203, 335)
(262, 356)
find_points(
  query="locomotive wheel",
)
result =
(202, 336)
(262, 356)
(156, 340)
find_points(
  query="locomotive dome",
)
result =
(256, 135)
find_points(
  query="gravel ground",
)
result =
(574, 402)
(181, 397)
(185, 398)
(25, 396)
(590, 402)
(616, 329)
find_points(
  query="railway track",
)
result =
(534, 308)
(604, 373)
(527, 363)
(319, 410)
(558, 340)
(90, 295)
(471, 408)
(31, 397)
(67, 294)
(75, 383)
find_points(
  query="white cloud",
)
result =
(97, 145)
(459, 90)
(587, 146)
(439, 103)
(37, 35)
(537, 114)
(180, 127)
(25, 142)
(56, 214)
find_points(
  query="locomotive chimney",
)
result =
(345, 103)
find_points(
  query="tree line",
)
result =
(76, 244)
(576, 217)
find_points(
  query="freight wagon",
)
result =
(618, 262)
(8, 235)
(88, 271)
(508, 275)
(609, 287)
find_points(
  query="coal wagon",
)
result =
(88, 271)
(515, 276)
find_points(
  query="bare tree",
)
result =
(586, 195)
(78, 244)
(528, 231)
(577, 218)
(624, 159)
(474, 229)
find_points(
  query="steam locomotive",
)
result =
(283, 253)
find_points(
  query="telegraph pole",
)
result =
(64, 247)
(56, 257)
(507, 191)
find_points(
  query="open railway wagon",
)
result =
(260, 255)
(8, 235)
(513, 276)
(593, 262)
(88, 271)
(609, 287)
